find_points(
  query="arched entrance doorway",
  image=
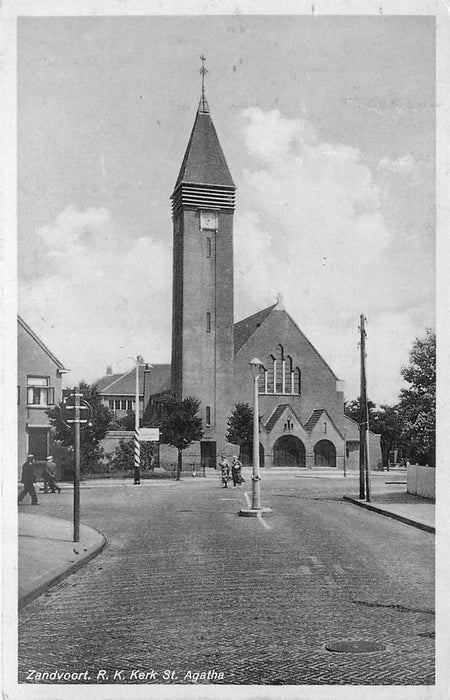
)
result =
(289, 451)
(324, 454)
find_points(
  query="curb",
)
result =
(395, 516)
(27, 598)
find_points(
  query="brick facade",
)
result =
(39, 387)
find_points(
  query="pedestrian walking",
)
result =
(225, 468)
(50, 476)
(236, 472)
(28, 480)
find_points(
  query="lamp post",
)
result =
(256, 510)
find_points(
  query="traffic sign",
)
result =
(149, 434)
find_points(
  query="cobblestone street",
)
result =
(184, 584)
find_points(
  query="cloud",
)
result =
(312, 225)
(98, 295)
(398, 166)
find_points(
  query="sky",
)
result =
(327, 125)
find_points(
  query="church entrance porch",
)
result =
(324, 454)
(289, 451)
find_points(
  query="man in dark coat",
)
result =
(28, 481)
(50, 476)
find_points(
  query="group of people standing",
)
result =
(28, 479)
(235, 471)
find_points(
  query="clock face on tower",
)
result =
(209, 220)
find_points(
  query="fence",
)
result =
(421, 481)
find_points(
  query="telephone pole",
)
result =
(364, 483)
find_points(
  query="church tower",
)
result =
(202, 315)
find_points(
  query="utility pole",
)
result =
(76, 482)
(364, 486)
(74, 404)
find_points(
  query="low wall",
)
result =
(421, 481)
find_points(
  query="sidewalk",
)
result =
(393, 501)
(47, 553)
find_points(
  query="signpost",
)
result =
(76, 404)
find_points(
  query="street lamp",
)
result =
(256, 510)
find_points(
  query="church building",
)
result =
(301, 400)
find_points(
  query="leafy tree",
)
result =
(123, 456)
(91, 454)
(352, 409)
(240, 427)
(180, 426)
(384, 421)
(124, 422)
(418, 402)
(387, 423)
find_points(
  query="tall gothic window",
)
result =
(279, 382)
(280, 376)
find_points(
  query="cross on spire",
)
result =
(203, 70)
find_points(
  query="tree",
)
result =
(387, 423)
(384, 421)
(123, 456)
(352, 409)
(240, 427)
(126, 422)
(180, 426)
(91, 453)
(418, 402)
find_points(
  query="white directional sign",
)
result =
(149, 434)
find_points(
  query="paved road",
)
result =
(184, 584)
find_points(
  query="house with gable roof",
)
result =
(39, 387)
(118, 391)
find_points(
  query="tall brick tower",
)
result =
(202, 314)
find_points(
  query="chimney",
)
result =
(109, 369)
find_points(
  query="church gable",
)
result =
(320, 425)
(283, 419)
(277, 340)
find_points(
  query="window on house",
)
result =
(208, 247)
(208, 415)
(111, 404)
(39, 391)
(208, 322)
(129, 405)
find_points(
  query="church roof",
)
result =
(204, 162)
(244, 329)
(313, 419)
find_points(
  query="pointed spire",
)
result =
(203, 106)
(279, 306)
(204, 162)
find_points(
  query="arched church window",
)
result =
(279, 370)
(271, 373)
(288, 378)
(208, 247)
(264, 388)
(208, 322)
(297, 381)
